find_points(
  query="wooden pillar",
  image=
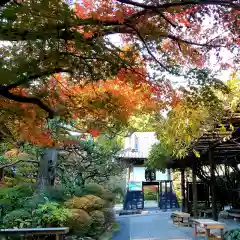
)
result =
(194, 191)
(170, 194)
(169, 174)
(183, 190)
(213, 185)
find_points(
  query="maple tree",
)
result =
(93, 107)
(44, 38)
(196, 113)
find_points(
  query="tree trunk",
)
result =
(213, 186)
(1, 175)
(46, 171)
(183, 190)
(194, 191)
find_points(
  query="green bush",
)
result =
(14, 197)
(51, 214)
(57, 193)
(87, 215)
(93, 189)
(232, 234)
(20, 218)
(97, 190)
(34, 201)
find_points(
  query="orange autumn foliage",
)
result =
(94, 106)
(103, 10)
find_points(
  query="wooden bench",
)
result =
(207, 225)
(23, 232)
(181, 218)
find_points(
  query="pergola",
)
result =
(216, 147)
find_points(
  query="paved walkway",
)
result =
(155, 226)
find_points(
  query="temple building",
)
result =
(144, 188)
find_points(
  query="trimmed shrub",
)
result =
(109, 217)
(98, 226)
(79, 222)
(99, 191)
(97, 216)
(87, 203)
(93, 189)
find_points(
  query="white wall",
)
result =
(145, 141)
(138, 174)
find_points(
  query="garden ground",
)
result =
(157, 226)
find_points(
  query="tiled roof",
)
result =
(129, 153)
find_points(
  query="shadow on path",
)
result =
(157, 226)
(124, 232)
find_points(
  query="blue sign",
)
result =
(135, 186)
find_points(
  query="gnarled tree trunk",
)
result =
(46, 171)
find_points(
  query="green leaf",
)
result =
(231, 127)
(196, 153)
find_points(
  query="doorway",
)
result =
(151, 194)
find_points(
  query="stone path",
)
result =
(155, 226)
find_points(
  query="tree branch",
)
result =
(180, 3)
(32, 77)
(5, 91)
(178, 39)
(147, 48)
(17, 162)
(23, 99)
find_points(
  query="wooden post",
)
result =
(183, 190)
(213, 185)
(170, 194)
(169, 174)
(194, 191)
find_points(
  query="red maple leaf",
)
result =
(94, 132)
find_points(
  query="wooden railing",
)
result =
(26, 232)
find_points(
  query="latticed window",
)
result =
(150, 175)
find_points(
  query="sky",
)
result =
(223, 75)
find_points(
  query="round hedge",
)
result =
(87, 203)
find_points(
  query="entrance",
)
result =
(155, 194)
(150, 194)
(168, 198)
